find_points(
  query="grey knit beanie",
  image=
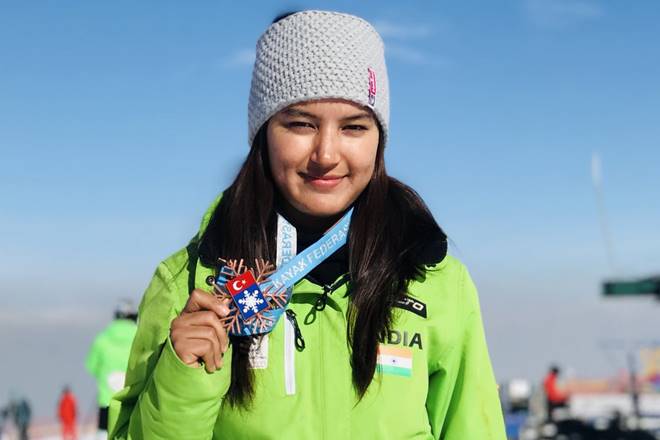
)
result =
(313, 55)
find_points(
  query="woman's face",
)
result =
(322, 154)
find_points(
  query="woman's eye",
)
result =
(299, 124)
(355, 127)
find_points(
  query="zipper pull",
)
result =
(300, 342)
(322, 300)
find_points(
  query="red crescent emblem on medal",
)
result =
(238, 284)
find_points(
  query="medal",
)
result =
(259, 295)
(249, 299)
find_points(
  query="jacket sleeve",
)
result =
(164, 398)
(92, 359)
(463, 401)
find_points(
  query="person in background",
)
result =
(66, 412)
(108, 358)
(555, 397)
(20, 412)
(4, 415)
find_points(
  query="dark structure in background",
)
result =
(645, 286)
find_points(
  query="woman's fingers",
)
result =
(197, 333)
(189, 350)
(203, 333)
(197, 349)
(201, 300)
(210, 362)
(209, 319)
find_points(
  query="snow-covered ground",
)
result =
(51, 431)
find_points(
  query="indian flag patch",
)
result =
(394, 360)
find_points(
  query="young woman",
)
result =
(382, 336)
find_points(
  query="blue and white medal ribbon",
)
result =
(298, 267)
(291, 268)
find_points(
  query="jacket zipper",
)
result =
(289, 358)
(323, 396)
(320, 305)
(292, 340)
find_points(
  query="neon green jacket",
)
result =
(108, 358)
(437, 381)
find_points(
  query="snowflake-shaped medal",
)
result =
(255, 302)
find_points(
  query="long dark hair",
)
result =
(389, 228)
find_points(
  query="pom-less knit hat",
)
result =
(313, 55)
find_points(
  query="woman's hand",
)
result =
(197, 333)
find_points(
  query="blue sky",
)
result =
(120, 121)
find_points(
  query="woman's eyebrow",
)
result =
(298, 112)
(294, 112)
(358, 116)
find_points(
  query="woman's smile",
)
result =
(322, 183)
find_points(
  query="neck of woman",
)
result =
(306, 222)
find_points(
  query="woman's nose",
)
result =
(326, 148)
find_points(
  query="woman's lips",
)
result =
(322, 182)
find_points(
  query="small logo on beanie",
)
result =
(372, 86)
